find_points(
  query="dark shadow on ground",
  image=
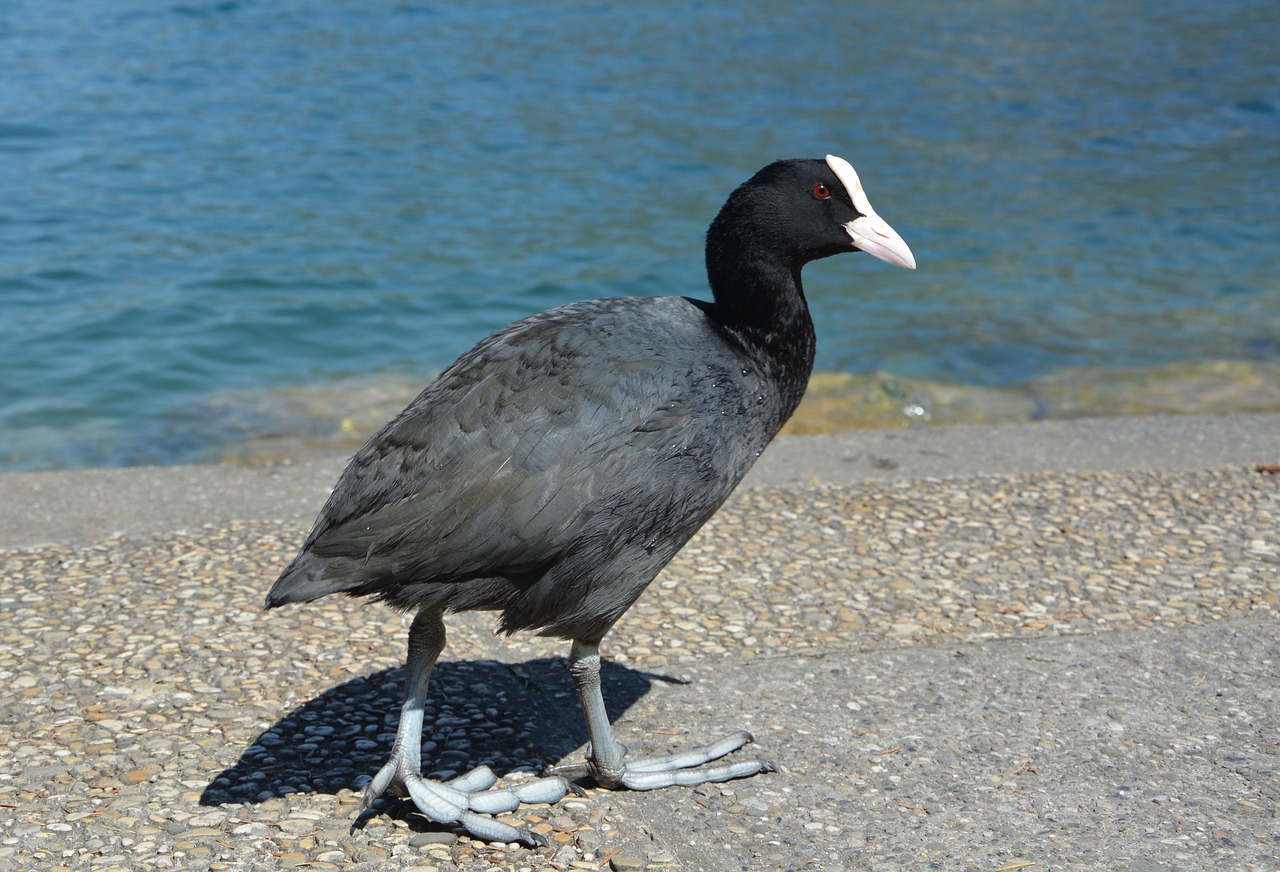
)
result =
(508, 717)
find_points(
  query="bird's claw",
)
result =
(468, 801)
(651, 773)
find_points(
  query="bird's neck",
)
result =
(762, 306)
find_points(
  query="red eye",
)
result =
(821, 191)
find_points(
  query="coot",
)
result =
(557, 466)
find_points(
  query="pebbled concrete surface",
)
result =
(1005, 669)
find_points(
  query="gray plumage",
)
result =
(551, 472)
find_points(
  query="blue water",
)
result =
(204, 197)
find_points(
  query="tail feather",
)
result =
(310, 577)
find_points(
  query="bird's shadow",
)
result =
(509, 717)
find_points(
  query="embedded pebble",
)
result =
(421, 840)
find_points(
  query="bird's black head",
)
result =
(795, 211)
(789, 213)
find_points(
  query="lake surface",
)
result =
(221, 222)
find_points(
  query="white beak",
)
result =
(870, 233)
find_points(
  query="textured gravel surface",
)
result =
(1046, 670)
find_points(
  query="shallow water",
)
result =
(206, 207)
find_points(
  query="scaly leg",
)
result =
(605, 760)
(466, 800)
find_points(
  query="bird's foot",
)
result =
(651, 773)
(467, 800)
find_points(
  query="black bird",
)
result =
(557, 466)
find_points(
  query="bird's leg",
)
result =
(605, 761)
(466, 800)
(605, 754)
